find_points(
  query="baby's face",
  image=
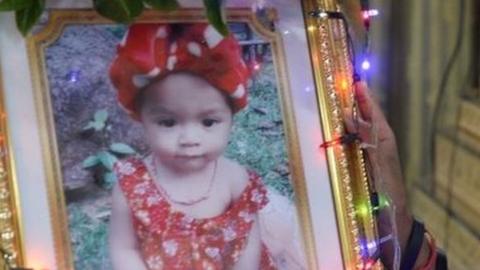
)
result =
(187, 122)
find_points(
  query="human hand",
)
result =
(381, 148)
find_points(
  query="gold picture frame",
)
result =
(57, 21)
(328, 54)
(11, 240)
(331, 61)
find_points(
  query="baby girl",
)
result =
(185, 206)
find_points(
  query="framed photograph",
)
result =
(87, 121)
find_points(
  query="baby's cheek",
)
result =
(218, 144)
(161, 142)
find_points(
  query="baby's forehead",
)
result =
(185, 95)
(163, 108)
(184, 76)
(181, 80)
(185, 86)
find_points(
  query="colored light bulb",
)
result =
(373, 12)
(366, 64)
(367, 14)
(362, 210)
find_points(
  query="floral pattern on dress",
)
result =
(229, 234)
(154, 262)
(170, 247)
(125, 168)
(212, 252)
(141, 188)
(170, 239)
(143, 216)
(152, 200)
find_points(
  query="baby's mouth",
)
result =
(189, 156)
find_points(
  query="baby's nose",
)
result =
(190, 136)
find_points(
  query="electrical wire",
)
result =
(441, 92)
(375, 173)
(378, 182)
(435, 119)
(454, 153)
(373, 169)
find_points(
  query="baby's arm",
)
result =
(123, 245)
(239, 179)
(280, 232)
(250, 257)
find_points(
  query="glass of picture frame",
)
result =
(60, 112)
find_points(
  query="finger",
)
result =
(369, 108)
(371, 111)
(349, 122)
(365, 131)
(359, 126)
(365, 102)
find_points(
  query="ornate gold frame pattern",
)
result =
(11, 236)
(58, 19)
(350, 186)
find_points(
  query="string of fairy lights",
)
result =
(378, 201)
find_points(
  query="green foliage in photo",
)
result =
(106, 156)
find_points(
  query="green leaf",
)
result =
(107, 159)
(98, 125)
(109, 178)
(121, 11)
(167, 5)
(121, 148)
(90, 161)
(90, 125)
(27, 17)
(215, 15)
(94, 125)
(14, 5)
(101, 115)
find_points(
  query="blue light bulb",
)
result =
(366, 64)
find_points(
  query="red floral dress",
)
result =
(169, 239)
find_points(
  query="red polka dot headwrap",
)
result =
(149, 51)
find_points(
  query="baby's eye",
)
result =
(209, 122)
(167, 122)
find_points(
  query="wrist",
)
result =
(404, 228)
(413, 247)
